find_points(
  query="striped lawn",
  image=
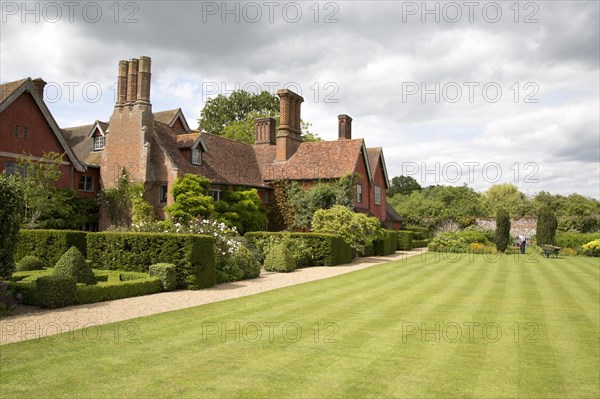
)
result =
(506, 327)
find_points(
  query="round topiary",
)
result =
(280, 259)
(247, 262)
(73, 264)
(28, 263)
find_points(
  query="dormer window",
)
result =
(196, 156)
(98, 143)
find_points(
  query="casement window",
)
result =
(86, 183)
(25, 133)
(11, 168)
(16, 134)
(98, 143)
(359, 193)
(196, 156)
(163, 193)
(215, 194)
(377, 195)
(265, 197)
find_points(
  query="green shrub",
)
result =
(420, 243)
(405, 240)
(247, 262)
(279, 259)
(49, 245)
(546, 226)
(192, 254)
(12, 212)
(29, 263)
(386, 245)
(592, 248)
(73, 264)
(460, 242)
(420, 233)
(117, 290)
(502, 234)
(167, 273)
(318, 249)
(574, 240)
(56, 291)
(28, 291)
(296, 245)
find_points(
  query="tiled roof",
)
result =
(6, 89)
(187, 140)
(392, 215)
(373, 154)
(312, 160)
(225, 161)
(80, 141)
(165, 117)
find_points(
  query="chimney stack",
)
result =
(288, 135)
(122, 83)
(143, 83)
(264, 130)
(344, 127)
(39, 85)
(132, 81)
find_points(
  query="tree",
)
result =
(403, 185)
(357, 229)
(38, 184)
(12, 211)
(242, 209)
(67, 210)
(191, 200)
(502, 234)
(546, 226)
(221, 111)
(233, 117)
(507, 196)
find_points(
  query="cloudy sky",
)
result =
(455, 92)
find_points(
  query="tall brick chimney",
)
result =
(288, 135)
(39, 85)
(344, 127)
(264, 130)
(131, 126)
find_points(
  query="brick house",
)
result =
(157, 148)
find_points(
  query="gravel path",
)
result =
(32, 322)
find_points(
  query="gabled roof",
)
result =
(313, 160)
(10, 91)
(191, 140)
(376, 156)
(81, 143)
(392, 215)
(225, 161)
(170, 117)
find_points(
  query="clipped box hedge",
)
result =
(49, 245)
(387, 245)
(167, 272)
(420, 243)
(123, 289)
(326, 249)
(56, 291)
(405, 240)
(419, 233)
(192, 254)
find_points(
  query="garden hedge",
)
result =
(192, 254)
(49, 245)
(167, 272)
(56, 291)
(419, 243)
(123, 289)
(387, 245)
(419, 233)
(326, 249)
(405, 240)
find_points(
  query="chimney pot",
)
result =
(143, 83)
(288, 135)
(39, 85)
(344, 127)
(132, 81)
(264, 130)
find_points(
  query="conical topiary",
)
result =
(72, 263)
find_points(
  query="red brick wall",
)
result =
(363, 179)
(378, 180)
(24, 112)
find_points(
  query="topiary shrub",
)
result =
(546, 226)
(279, 259)
(28, 263)
(56, 291)
(247, 262)
(73, 264)
(502, 234)
(167, 273)
(117, 290)
(49, 245)
(12, 212)
(405, 239)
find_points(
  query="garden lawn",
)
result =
(453, 327)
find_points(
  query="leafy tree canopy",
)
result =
(403, 185)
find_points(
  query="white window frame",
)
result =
(25, 133)
(215, 194)
(88, 183)
(196, 156)
(99, 143)
(377, 195)
(359, 193)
